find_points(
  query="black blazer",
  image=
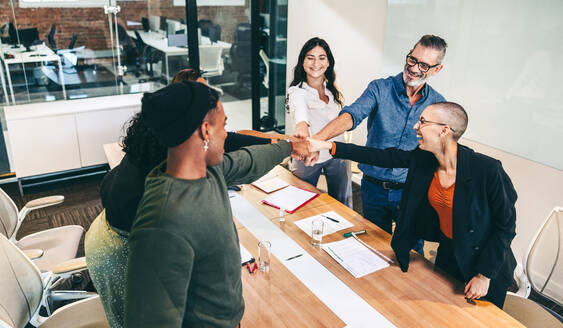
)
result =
(484, 217)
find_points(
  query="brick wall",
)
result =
(91, 25)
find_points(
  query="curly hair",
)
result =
(141, 145)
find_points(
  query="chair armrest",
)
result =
(44, 202)
(33, 254)
(70, 266)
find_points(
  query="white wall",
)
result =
(354, 31)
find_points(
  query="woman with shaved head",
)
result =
(453, 195)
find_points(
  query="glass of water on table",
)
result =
(317, 226)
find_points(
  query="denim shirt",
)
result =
(391, 120)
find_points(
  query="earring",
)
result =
(205, 145)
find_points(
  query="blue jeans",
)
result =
(337, 173)
(381, 206)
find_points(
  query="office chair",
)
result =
(240, 56)
(24, 290)
(210, 30)
(543, 272)
(55, 245)
(146, 55)
(129, 49)
(51, 38)
(72, 41)
(211, 62)
(266, 62)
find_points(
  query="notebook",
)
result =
(290, 198)
(270, 184)
(245, 256)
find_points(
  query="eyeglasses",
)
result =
(422, 66)
(422, 121)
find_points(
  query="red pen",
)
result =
(248, 267)
(254, 268)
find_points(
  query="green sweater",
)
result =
(184, 258)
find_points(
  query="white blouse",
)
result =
(305, 105)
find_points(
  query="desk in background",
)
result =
(159, 42)
(41, 54)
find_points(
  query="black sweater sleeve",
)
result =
(236, 141)
(389, 158)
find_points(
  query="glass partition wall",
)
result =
(73, 49)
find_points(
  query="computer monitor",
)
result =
(154, 22)
(146, 24)
(163, 25)
(28, 37)
(172, 26)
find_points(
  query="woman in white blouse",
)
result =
(312, 102)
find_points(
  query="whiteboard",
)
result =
(504, 65)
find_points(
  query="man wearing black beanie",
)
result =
(184, 258)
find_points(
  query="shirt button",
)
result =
(476, 248)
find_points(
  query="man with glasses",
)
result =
(393, 105)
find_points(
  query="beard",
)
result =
(414, 83)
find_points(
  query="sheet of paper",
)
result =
(245, 255)
(270, 184)
(354, 257)
(330, 226)
(290, 198)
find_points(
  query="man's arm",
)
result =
(250, 163)
(336, 127)
(158, 275)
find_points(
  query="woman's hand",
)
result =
(477, 287)
(316, 145)
(301, 130)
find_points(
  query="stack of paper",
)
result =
(290, 198)
(354, 257)
(330, 225)
(245, 255)
(270, 184)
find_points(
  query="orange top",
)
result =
(442, 200)
(333, 148)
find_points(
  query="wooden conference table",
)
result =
(422, 297)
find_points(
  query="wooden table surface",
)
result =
(422, 297)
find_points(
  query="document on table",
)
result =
(270, 184)
(330, 225)
(290, 198)
(354, 257)
(245, 255)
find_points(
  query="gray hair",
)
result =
(454, 116)
(434, 42)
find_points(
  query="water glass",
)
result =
(317, 226)
(264, 249)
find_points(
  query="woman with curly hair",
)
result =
(106, 244)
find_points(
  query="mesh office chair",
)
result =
(51, 38)
(23, 291)
(211, 62)
(55, 245)
(543, 272)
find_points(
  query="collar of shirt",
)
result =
(399, 85)
(314, 91)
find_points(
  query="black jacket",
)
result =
(484, 217)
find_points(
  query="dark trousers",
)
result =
(381, 206)
(445, 259)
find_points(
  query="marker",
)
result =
(349, 234)
(293, 257)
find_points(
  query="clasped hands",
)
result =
(307, 149)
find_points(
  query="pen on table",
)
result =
(331, 219)
(293, 257)
(248, 267)
(254, 268)
(372, 249)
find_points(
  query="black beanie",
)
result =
(176, 111)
